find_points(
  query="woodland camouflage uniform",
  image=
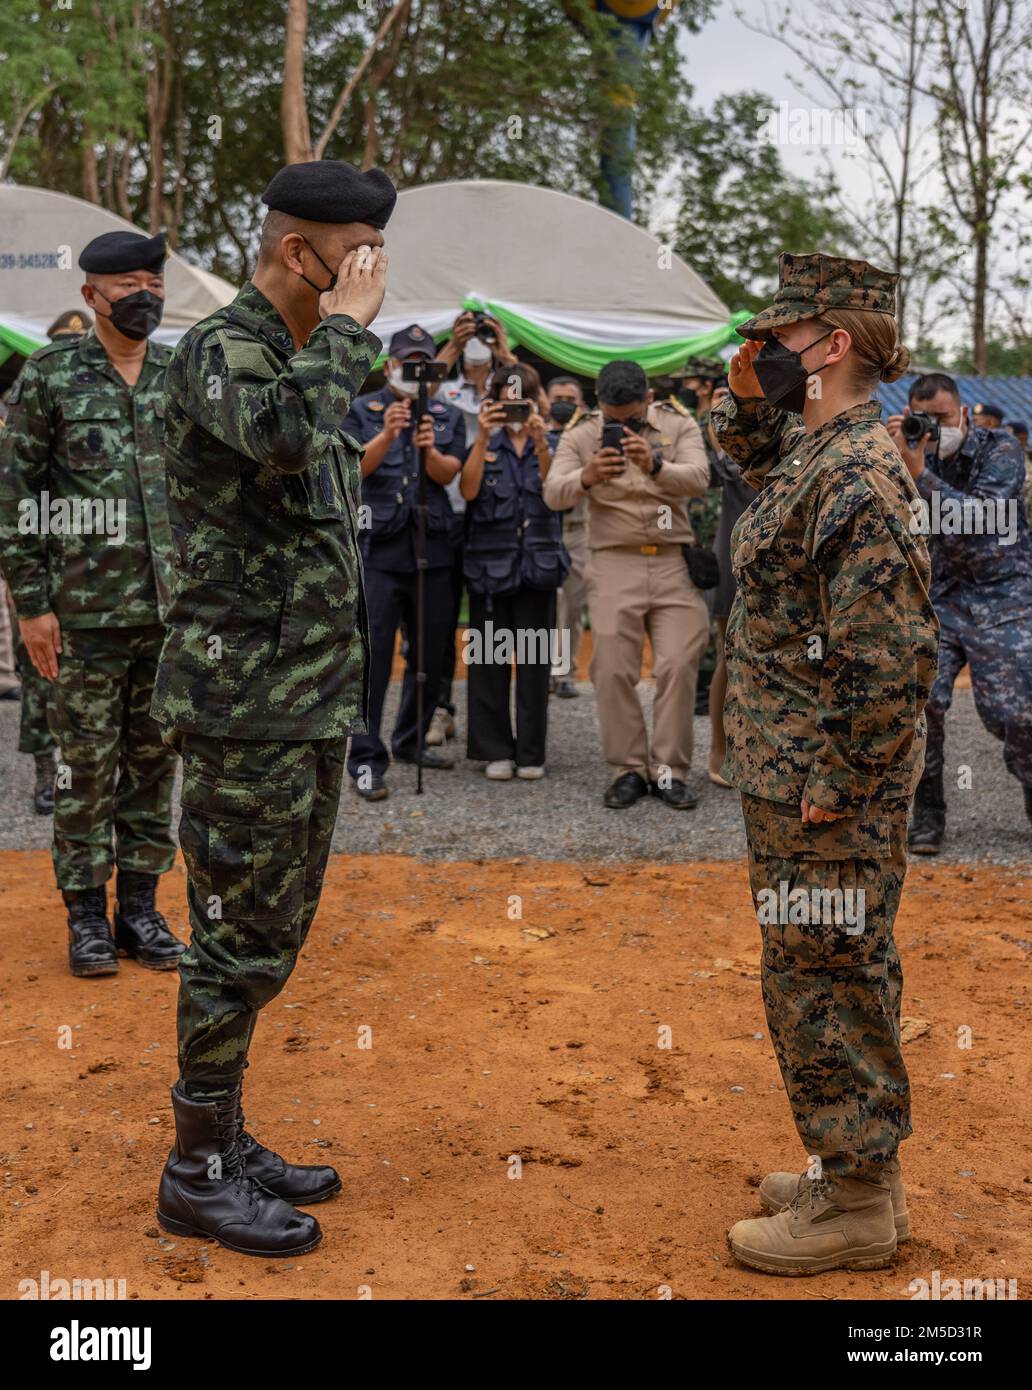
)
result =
(78, 434)
(264, 669)
(831, 651)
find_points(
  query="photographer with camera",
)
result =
(384, 421)
(514, 564)
(476, 345)
(972, 483)
(565, 407)
(636, 463)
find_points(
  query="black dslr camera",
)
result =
(484, 330)
(914, 426)
(424, 369)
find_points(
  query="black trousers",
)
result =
(391, 601)
(491, 736)
(448, 657)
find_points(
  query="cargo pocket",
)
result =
(82, 701)
(819, 890)
(91, 432)
(246, 847)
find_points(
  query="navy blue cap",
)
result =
(115, 252)
(1017, 425)
(408, 341)
(987, 408)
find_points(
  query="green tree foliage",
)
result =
(738, 208)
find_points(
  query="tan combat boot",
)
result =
(832, 1223)
(778, 1189)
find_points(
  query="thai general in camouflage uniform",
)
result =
(86, 543)
(264, 670)
(831, 654)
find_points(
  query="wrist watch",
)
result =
(657, 460)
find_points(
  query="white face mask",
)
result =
(476, 353)
(951, 437)
(398, 383)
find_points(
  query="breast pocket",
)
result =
(92, 432)
(768, 586)
(496, 500)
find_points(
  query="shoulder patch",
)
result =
(490, 456)
(373, 405)
(583, 419)
(245, 355)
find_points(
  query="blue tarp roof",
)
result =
(1012, 393)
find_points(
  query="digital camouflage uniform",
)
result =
(264, 670)
(77, 433)
(831, 655)
(982, 592)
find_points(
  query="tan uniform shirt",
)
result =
(633, 509)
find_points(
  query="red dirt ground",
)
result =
(494, 1037)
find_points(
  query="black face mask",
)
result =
(137, 315)
(637, 424)
(689, 398)
(332, 274)
(781, 373)
(562, 412)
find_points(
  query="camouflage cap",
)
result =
(811, 283)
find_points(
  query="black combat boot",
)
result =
(928, 819)
(140, 930)
(299, 1183)
(43, 793)
(91, 951)
(205, 1190)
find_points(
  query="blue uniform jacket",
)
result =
(390, 493)
(513, 538)
(991, 577)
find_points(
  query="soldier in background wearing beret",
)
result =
(91, 588)
(263, 674)
(34, 736)
(831, 651)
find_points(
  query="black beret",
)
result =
(328, 190)
(114, 252)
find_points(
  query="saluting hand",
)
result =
(360, 287)
(741, 375)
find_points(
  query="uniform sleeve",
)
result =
(456, 447)
(687, 472)
(562, 488)
(755, 435)
(237, 391)
(880, 653)
(24, 475)
(1001, 478)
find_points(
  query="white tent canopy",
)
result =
(41, 236)
(583, 276)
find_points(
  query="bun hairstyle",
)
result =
(878, 353)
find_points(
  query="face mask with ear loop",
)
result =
(134, 315)
(781, 373)
(331, 273)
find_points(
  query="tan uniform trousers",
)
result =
(631, 594)
(574, 594)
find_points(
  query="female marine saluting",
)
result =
(831, 653)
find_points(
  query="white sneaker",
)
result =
(530, 774)
(500, 771)
(442, 728)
